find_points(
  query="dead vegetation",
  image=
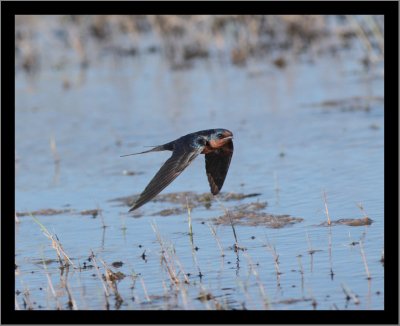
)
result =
(350, 104)
(184, 39)
(186, 197)
(351, 222)
(52, 211)
(252, 218)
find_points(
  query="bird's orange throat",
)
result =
(213, 145)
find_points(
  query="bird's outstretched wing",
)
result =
(173, 167)
(217, 165)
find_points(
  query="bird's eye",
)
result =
(220, 135)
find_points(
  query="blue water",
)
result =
(115, 108)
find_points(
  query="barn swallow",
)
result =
(217, 146)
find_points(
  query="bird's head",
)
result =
(219, 138)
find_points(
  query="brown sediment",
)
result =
(170, 211)
(205, 296)
(52, 211)
(356, 103)
(195, 199)
(254, 206)
(350, 222)
(44, 212)
(129, 173)
(93, 212)
(251, 218)
(112, 277)
(42, 262)
(117, 264)
(280, 62)
(292, 300)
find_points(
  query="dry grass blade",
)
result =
(236, 247)
(365, 261)
(53, 148)
(275, 255)
(376, 31)
(146, 295)
(71, 301)
(265, 299)
(93, 259)
(50, 283)
(16, 303)
(330, 252)
(214, 233)
(349, 294)
(366, 217)
(362, 35)
(326, 209)
(189, 210)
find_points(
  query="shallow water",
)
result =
(289, 147)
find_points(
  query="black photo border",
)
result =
(11, 8)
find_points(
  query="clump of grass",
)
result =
(169, 260)
(112, 278)
(62, 256)
(108, 282)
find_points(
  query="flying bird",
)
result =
(217, 146)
